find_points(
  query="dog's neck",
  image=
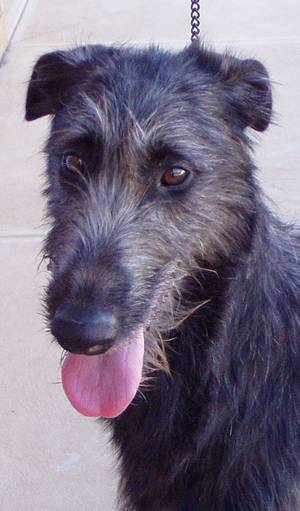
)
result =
(252, 275)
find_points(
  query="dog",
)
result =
(173, 288)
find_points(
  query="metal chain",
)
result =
(195, 20)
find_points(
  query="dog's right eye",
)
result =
(73, 163)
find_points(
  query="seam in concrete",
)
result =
(13, 30)
(21, 235)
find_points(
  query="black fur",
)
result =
(207, 265)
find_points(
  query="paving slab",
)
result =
(95, 20)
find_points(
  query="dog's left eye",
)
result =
(174, 176)
(73, 163)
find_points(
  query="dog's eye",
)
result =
(174, 176)
(73, 163)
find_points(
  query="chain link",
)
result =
(195, 20)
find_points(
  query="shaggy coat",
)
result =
(205, 266)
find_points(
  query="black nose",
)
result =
(88, 329)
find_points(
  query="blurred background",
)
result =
(51, 458)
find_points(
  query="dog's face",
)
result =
(148, 178)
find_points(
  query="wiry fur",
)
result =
(209, 271)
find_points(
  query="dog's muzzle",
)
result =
(88, 330)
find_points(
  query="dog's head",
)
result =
(149, 179)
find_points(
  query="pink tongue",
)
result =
(104, 385)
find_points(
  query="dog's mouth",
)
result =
(104, 385)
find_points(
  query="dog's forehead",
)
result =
(144, 93)
(144, 79)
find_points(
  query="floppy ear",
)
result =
(52, 77)
(244, 83)
(248, 92)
